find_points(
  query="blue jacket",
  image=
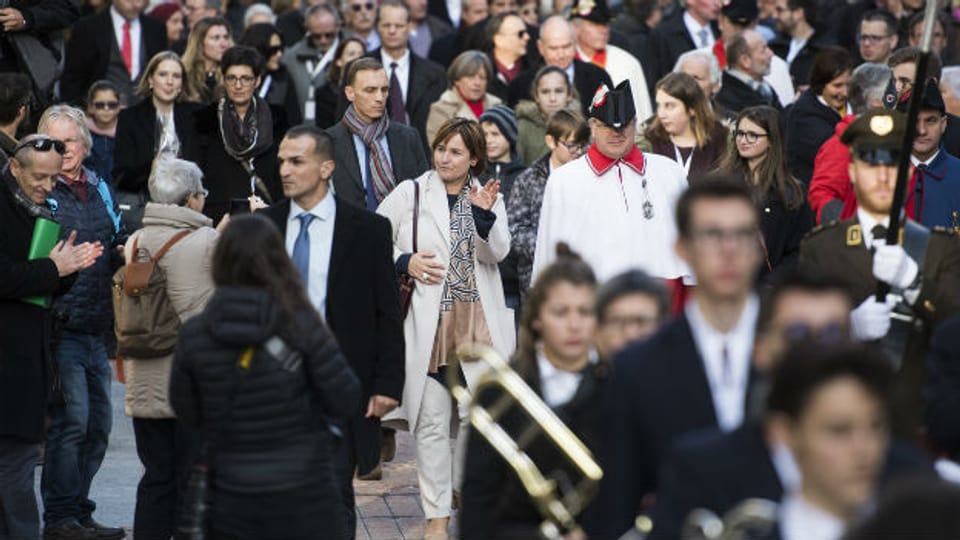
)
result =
(938, 188)
(88, 304)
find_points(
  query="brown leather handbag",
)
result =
(407, 282)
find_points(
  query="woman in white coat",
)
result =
(462, 235)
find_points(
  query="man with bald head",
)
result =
(557, 46)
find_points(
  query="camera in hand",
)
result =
(239, 206)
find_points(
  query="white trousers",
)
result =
(439, 457)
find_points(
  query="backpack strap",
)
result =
(163, 250)
(136, 275)
(107, 197)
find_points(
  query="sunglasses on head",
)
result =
(42, 144)
(101, 105)
(360, 7)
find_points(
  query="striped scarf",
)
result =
(381, 173)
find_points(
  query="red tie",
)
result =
(126, 50)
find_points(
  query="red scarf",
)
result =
(475, 106)
(508, 73)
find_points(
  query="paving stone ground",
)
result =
(388, 509)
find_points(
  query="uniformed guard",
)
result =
(923, 270)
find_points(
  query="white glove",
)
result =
(893, 266)
(871, 319)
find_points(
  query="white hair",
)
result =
(706, 56)
(173, 180)
(258, 9)
(69, 113)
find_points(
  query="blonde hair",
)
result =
(193, 60)
(143, 87)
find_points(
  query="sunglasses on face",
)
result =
(274, 49)
(42, 144)
(361, 7)
(101, 105)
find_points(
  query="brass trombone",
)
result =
(558, 502)
(751, 515)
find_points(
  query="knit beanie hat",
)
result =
(505, 120)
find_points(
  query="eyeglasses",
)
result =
(361, 7)
(716, 237)
(522, 34)
(204, 192)
(326, 36)
(828, 333)
(274, 49)
(749, 136)
(871, 38)
(42, 144)
(244, 80)
(101, 105)
(574, 147)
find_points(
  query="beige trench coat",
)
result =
(189, 285)
(451, 105)
(420, 326)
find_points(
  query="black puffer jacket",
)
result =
(277, 437)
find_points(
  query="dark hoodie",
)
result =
(507, 173)
(278, 436)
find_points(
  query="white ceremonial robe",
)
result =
(602, 218)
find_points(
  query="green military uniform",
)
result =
(838, 250)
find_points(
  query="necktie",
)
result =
(395, 98)
(918, 192)
(371, 192)
(301, 248)
(726, 376)
(126, 48)
(765, 91)
(879, 232)
(703, 34)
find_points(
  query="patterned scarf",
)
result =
(460, 284)
(381, 173)
(246, 138)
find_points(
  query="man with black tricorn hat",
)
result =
(922, 270)
(615, 204)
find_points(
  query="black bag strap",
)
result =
(416, 212)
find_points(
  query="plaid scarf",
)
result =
(381, 173)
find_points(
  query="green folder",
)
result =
(46, 234)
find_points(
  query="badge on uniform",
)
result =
(854, 235)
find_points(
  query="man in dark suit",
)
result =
(373, 153)
(419, 81)
(743, 84)
(557, 47)
(345, 255)
(691, 28)
(115, 45)
(798, 40)
(693, 373)
(446, 48)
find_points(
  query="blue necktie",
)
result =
(371, 194)
(301, 248)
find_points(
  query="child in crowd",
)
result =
(103, 109)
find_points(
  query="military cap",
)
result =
(876, 136)
(741, 12)
(615, 107)
(591, 10)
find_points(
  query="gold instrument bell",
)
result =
(500, 394)
(756, 516)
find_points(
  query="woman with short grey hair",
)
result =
(177, 198)
(469, 76)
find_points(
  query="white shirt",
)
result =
(321, 242)
(867, 223)
(847, 109)
(135, 30)
(796, 45)
(800, 520)
(557, 386)
(916, 162)
(694, 28)
(454, 10)
(727, 378)
(403, 70)
(786, 466)
(610, 231)
(362, 154)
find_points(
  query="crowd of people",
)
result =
(672, 217)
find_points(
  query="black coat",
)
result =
(658, 392)
(224, 176)
(88, 52)
(942, 390)
(406, 156)
(136, 145)
(586, 79)
(276, 437)
(717, 470)
(283, 96)
(803, 62)
(808, 125)
(735, 96)
(363, 311)
(494, 503)
(25, 329)
(427, 81)
(668, 40)
(783, 229)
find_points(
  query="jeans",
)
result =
(79, 429)
(19, 519)
(167, 452)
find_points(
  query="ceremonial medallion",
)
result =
(648, 209)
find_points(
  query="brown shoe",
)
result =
(375, 474)
(388, 444)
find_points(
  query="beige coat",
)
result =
(451, 105)
(420, 326)
(532, 130)
(189, 286)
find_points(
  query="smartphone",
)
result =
(239, 206)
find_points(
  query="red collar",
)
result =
(601, 163)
